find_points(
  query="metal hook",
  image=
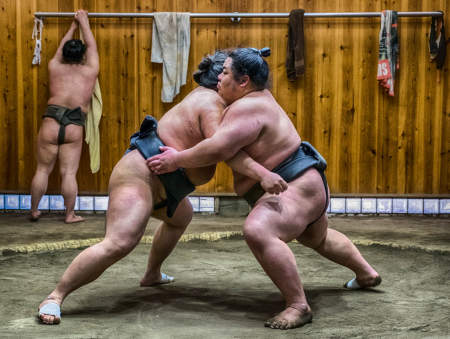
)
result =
(236, 19)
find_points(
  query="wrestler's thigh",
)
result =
(130, 199)
(315, 233)
(70, 151)
(47, 147)
(276, 216)
(131, 168)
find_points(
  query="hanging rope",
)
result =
(37, 35)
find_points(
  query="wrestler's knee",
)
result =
(183, 215)
(255, 232)
(120, 246)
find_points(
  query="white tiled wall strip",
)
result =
(207, 204)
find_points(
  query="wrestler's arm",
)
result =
(242, 162)
(68, 36)
(237, 130)
(271, 182)
(81, 17)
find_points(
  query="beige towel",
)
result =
(171, 39)
(94, 115)
(92, 131)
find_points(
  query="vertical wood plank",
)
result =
(373, 143)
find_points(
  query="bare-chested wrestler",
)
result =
(256, 123)
(73, 71)
(135, 193)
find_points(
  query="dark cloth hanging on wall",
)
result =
(295, 61)
(437, 41)
(388, 60)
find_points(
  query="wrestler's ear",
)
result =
(244, 81)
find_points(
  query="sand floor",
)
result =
(221, 292)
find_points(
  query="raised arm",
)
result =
(68, 36)
(81, 17)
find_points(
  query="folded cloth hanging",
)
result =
(388, 52)
(37, 34)
(295, 60)
(171, 40)
(92, 130)
(437, 41)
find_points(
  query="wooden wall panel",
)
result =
(373, 143)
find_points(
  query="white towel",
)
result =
(171, 40)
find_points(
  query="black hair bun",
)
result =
(265, 52)
(205, 64)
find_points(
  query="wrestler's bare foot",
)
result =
(49, 319)
(155, 278)
(291, 317)
(72, 218)
(34, 215)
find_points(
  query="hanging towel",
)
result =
(92, 128)
(171, 40)
(94, 115)
(388, 53)
(437, 41)
(295, 60)
(37, 34)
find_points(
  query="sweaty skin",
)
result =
(71, 86)
(255, 123)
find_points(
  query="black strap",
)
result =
(61, 134)
(160, 204)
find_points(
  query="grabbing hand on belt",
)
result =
(273, 183)
(163, 162)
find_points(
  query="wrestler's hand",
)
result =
(81, 16)
(163, 162)
(273, 183)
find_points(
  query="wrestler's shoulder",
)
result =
(248, 104)
(202, 92)
(207, 98)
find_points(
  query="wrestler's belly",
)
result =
(200, 176)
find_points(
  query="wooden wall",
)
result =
(373, 143)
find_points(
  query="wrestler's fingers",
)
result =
(154, 159)
(153, 165)
(165, 148)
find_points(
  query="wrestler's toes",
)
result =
(284, 325)
(275, 324)
(268, 322)
(45, 319)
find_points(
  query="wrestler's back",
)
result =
(71, 85)
(195, 118)
(277, 140)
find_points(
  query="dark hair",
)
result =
(73, 51)
(209, 69)
(250, 61)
